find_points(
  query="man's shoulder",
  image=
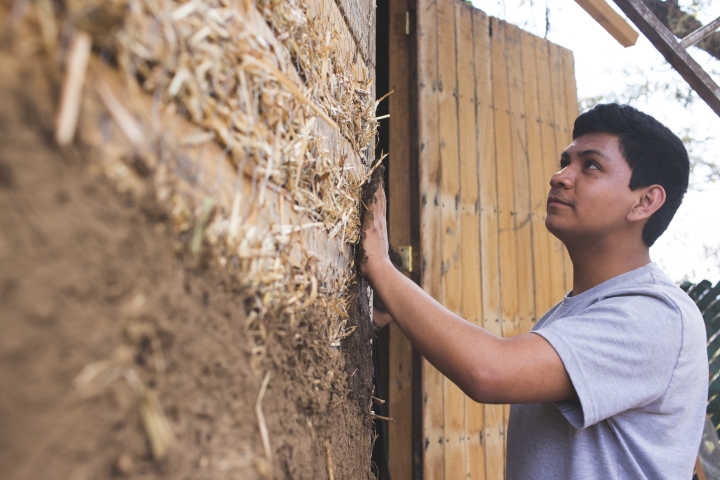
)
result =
(651, 287)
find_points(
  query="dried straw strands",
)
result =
(225, 73)
(271, 86)
(292, 110)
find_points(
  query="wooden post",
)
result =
(400, 207)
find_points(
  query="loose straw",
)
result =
(71, 97)
(261, 419)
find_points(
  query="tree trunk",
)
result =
(681, 24)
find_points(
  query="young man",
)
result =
(612, 381)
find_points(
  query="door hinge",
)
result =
(406, 258)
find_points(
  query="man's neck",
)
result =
(595, 265)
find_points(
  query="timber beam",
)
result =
(674, 53)
(611, 21)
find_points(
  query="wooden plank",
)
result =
(430, 228)
(399, 229)
(473, 85)
(571, 104)
(571, 100)
(561, 141)
(501, 51)
(538, 177)
(507, 239)
(550, 160)
(451, 274)
(696, 36)
(522, 225)
(488, 461)
(400, 404)
(490, 186)
(611, 21)
(469, 218)
(506, 198)
(667, 44)
(563, 134)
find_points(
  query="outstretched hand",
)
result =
(375, 237)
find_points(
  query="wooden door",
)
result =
(480, 114)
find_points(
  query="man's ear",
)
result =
(649, 201)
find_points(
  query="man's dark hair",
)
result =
(656, 156)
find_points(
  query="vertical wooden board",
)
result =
(399, 229)
(506, 197)
(489, 232)
(503, 166)
(451, 280)
(507, 241)
(571, 102)
(399, 131)
(430, 228)
(562, 134)
(551, 158)
(521, 184)
(469, 212)
(538, 179)
(400, 404)
(489, 439)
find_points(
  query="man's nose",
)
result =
(562, 179)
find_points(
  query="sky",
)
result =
(690, 248)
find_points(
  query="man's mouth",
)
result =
(555, 201)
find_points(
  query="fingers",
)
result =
(380, 203)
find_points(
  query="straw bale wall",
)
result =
(248, 128)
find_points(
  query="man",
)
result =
(612, 381)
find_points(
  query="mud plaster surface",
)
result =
(86, 274)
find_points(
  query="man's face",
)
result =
(590, 196)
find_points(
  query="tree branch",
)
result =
(682, 24)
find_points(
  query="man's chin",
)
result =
(553, 227)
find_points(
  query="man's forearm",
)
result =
(488, 368)
(463, 352)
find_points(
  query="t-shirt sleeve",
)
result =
(620, 354)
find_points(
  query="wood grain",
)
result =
(522, 223)
(399, 229)
(430, 227)
(678, 57)
(561, 141)
(451, 274)
(493, 109)
(611, 21)
(538, 177)
(571, 105)
(491, 181)
(468, 82)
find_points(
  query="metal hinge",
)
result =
(406, 258)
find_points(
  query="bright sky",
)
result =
(690, 248)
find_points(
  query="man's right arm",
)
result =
(488, 368)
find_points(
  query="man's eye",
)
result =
(592, 165)
(563, 164)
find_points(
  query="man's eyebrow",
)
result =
(600, 154)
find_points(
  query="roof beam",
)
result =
(677, 56)
(611, 21)
(702, 32)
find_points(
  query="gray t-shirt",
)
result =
(634, 348)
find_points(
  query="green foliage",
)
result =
(707, 299)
